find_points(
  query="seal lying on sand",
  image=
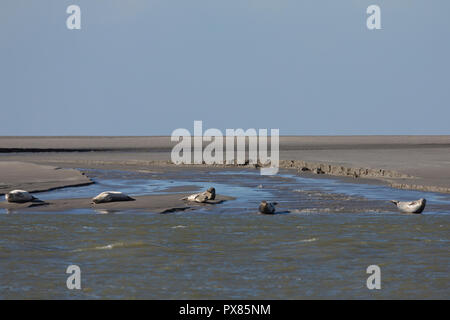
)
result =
(111, 196)
(410, 206)
(202, 197)
(267, 207)
(19, 196)
(211, 193)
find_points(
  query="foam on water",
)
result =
(115, 245)
(377, 192)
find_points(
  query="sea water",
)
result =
(327, 233)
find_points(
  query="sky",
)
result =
(148, 67)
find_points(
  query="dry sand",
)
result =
(411, 162)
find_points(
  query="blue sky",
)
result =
(147, 67)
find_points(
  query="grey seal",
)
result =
(410, 206)
(19, 196)
(267, 207)
(111, 196)
(202, 197)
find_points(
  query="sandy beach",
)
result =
(406, 162)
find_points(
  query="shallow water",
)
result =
(329, 232)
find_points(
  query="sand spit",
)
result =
(35, 178)
(167, 203)
(337, 170)
(389, 177)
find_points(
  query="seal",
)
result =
(211, 193)
(202, 197)
(410, 206)
(111, 196)
(267, 207)
(19, 196)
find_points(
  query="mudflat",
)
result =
(165, 203)
(35, 178)
(409, 162)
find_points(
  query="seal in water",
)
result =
(19, 196)
(111, 196)
(202, 197)
(410, 206)
(267, 207)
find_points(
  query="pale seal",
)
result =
(19, 196)
(267, 207)
(202, 197)
(111, 196)
(410, 206)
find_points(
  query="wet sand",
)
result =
(408, 162)
(36, 178)
(165, 203)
